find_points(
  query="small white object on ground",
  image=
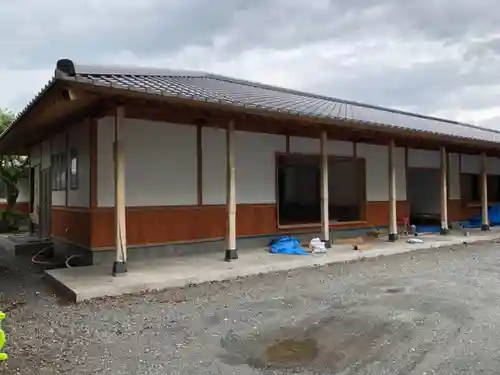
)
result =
(317, 246)
(415, 240)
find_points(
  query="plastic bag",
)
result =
(287, 245)
(317, 246)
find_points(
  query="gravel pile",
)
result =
(428, 312)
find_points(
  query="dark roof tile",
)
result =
(215, 88)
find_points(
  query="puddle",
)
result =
(291, 352)
(316, 342)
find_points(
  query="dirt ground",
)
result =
(426, 312)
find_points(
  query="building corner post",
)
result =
(231, 251)
(485, 223)
(120, 264)
(393, 226)
(325, 203)
(444, 192)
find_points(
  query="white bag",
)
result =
(317, 246)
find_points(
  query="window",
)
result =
(3, 189)
(59, 168)
(299, 189)
(73, 169)
(470, 188)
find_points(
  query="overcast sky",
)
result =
(438, 57)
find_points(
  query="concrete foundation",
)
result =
(152, 252)
(83, 283)
(23, 244)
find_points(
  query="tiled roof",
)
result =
(240, 93)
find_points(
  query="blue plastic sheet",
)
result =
(428, 228)
(287, 245)
(493, 216)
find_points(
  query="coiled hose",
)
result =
(49, 263)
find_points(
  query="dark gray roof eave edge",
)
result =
(61, 76)
(386, 128)
(148, 71)
(74, 69)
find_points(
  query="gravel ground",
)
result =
(431, 312)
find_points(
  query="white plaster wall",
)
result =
(312, 146)
(78, 138)
(377, 171)
(160, 159)
(400, 174)
(24, 190)
(471, 163)
(423, 158)
(453, 176)
(46, 154)
(213, 145)
(58, 145)
(255, 166)
(35, 155)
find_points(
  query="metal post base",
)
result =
(231, 254)
(444, 231)
(485, 228)
(393, 237)
(328, 244)
(119, 268)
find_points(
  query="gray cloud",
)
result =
(429, 56)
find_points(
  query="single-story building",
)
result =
(156, 160)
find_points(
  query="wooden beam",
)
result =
(199, 164)
(231, 252)
(393, 227)
(325, 216)
(444, 191)
(485, 223)
(120, 265)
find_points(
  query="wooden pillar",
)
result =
(120, 264)
(231, 251)
(485, 224)
(393, 226)
(325, 216)
(444, 191)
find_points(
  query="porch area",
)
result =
(85, 283)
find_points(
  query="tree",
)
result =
(12, 168)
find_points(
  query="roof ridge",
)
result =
(68, 67)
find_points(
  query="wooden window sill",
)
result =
(478, 204)
(318, 225)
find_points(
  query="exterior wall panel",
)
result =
(471, 163)
(424, 159)
(58, 145)
(161, 163)
(453, 176)
(78, 139)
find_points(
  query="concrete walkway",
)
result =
(84, 283)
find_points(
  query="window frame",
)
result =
(473, 200)
(360, 163)
(73, 177)
(59, 170)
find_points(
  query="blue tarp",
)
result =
(287, 245)
(476, 221)
(428, 228)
